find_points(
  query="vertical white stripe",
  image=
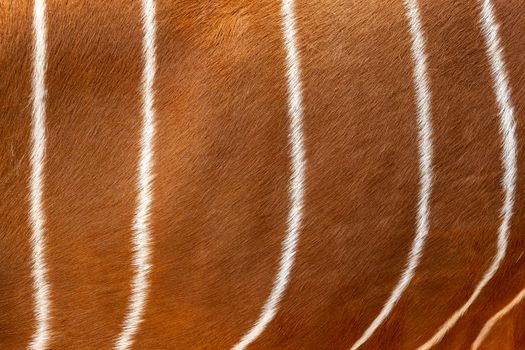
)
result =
(37, 220)
(423, 101)
(296, 189)
(141, 224)
(494, 319)
(509, 155)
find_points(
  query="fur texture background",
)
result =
(222, 170)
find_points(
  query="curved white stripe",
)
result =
(141, 224)
(37, 219)
(423, 98)
(296, 190)
(509, 155)
(494, 319)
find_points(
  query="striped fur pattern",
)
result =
(262, 175)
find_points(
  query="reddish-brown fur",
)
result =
(222, 170)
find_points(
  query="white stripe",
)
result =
(423, 99)
(141, 224)
(494, 319)
(37, 219)
(296, 189)
(508, 133)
